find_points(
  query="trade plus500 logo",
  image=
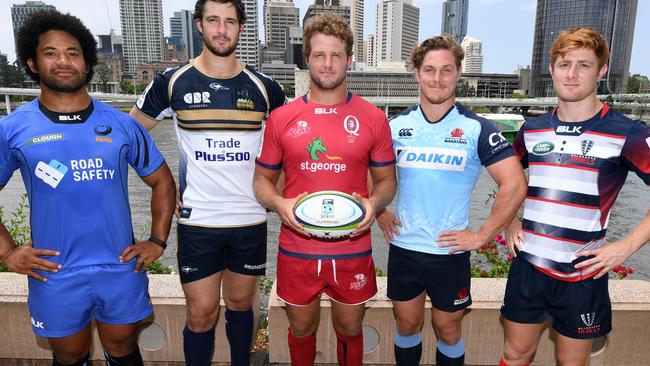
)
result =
(316, 150)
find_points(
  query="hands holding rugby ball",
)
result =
(329, 214)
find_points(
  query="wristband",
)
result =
(158, 242)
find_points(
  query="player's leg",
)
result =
(120, 343)
(201, 261)
(572, 352)
(448, 281)
(299, 286)
(351, 283)
(520, 342)
(246, 261)
(406, 288)
(73, 350)
(303, 324)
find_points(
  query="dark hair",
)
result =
(435, 43)
(329, 24)
(238, 4)
(44, 21)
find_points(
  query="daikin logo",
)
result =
(432, 158)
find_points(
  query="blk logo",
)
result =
(569, 129)
(70, 117)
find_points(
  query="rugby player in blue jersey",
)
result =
(218, 105)
(440, 148)
(73, 153)
(578, 156)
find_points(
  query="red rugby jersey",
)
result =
(326, 147)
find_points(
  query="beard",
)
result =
(220, 51)
(326, 84)
(438, 99)
(64, 86)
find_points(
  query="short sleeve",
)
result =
(143, 155)
(270, 153)
(154, 100)
(520, 148)
(277, 98)
(492, 146)
(636, 151)
(382, 153)
(8, 163)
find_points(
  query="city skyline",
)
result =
(506, 43)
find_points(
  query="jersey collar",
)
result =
(67, 118)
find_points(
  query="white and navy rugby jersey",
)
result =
(576, 171)
(218, 128)
(75, 169)
(438, 164)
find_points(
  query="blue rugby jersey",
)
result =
(218, 125)
(75, 174)
(576, 170)
(438, 164)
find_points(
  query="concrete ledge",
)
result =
(169, 319)
(482, 329)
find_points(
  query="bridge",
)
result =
(633, 102)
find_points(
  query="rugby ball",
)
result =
(329, 214)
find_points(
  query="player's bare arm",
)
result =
(511, 180)
(266, 191)
(163, 195)
(384, 186)
(615, 253)
(146, 121)
(24, 259)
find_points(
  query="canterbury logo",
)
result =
(406, 132)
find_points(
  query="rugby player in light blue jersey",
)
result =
(73, 153)
(440, 147)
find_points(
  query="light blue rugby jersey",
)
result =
(75, 173)
(438, 164)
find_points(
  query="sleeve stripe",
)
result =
(269, 166)
(378, 164)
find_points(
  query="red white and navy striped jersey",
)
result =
(576, 170)
(326, 148)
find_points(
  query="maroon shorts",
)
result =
(348, 281)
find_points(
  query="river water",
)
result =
(631, 206)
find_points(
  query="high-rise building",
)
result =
(182, 25)
(454, 18)
(248, 48)
(20, 12)
(142, 30)
(614, 19)
(397, 30)
(473, 61)
(356, 23)
(327, 6)
(294, 47)
(278, 16)
(370, 51)
(110, 44)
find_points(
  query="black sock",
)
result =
(408, 356)
(82, 362)
(198, 347)
(444, 360)
(239, 330)
(132, 359)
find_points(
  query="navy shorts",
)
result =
(204, 251)
(445, 278)
(72, 298)
(580, 310)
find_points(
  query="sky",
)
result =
(505, 26)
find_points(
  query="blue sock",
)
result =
(450, 354)
(408, 349)
(239, 330)
(198, 347)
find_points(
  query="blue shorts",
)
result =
(580, 310)
(445, 278)
(204, 251)
(71, 299)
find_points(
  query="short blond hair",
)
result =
(581, 37)
(329, 24)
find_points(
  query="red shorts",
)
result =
(348, 281)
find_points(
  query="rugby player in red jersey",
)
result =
(578, 156)
(326, 140)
